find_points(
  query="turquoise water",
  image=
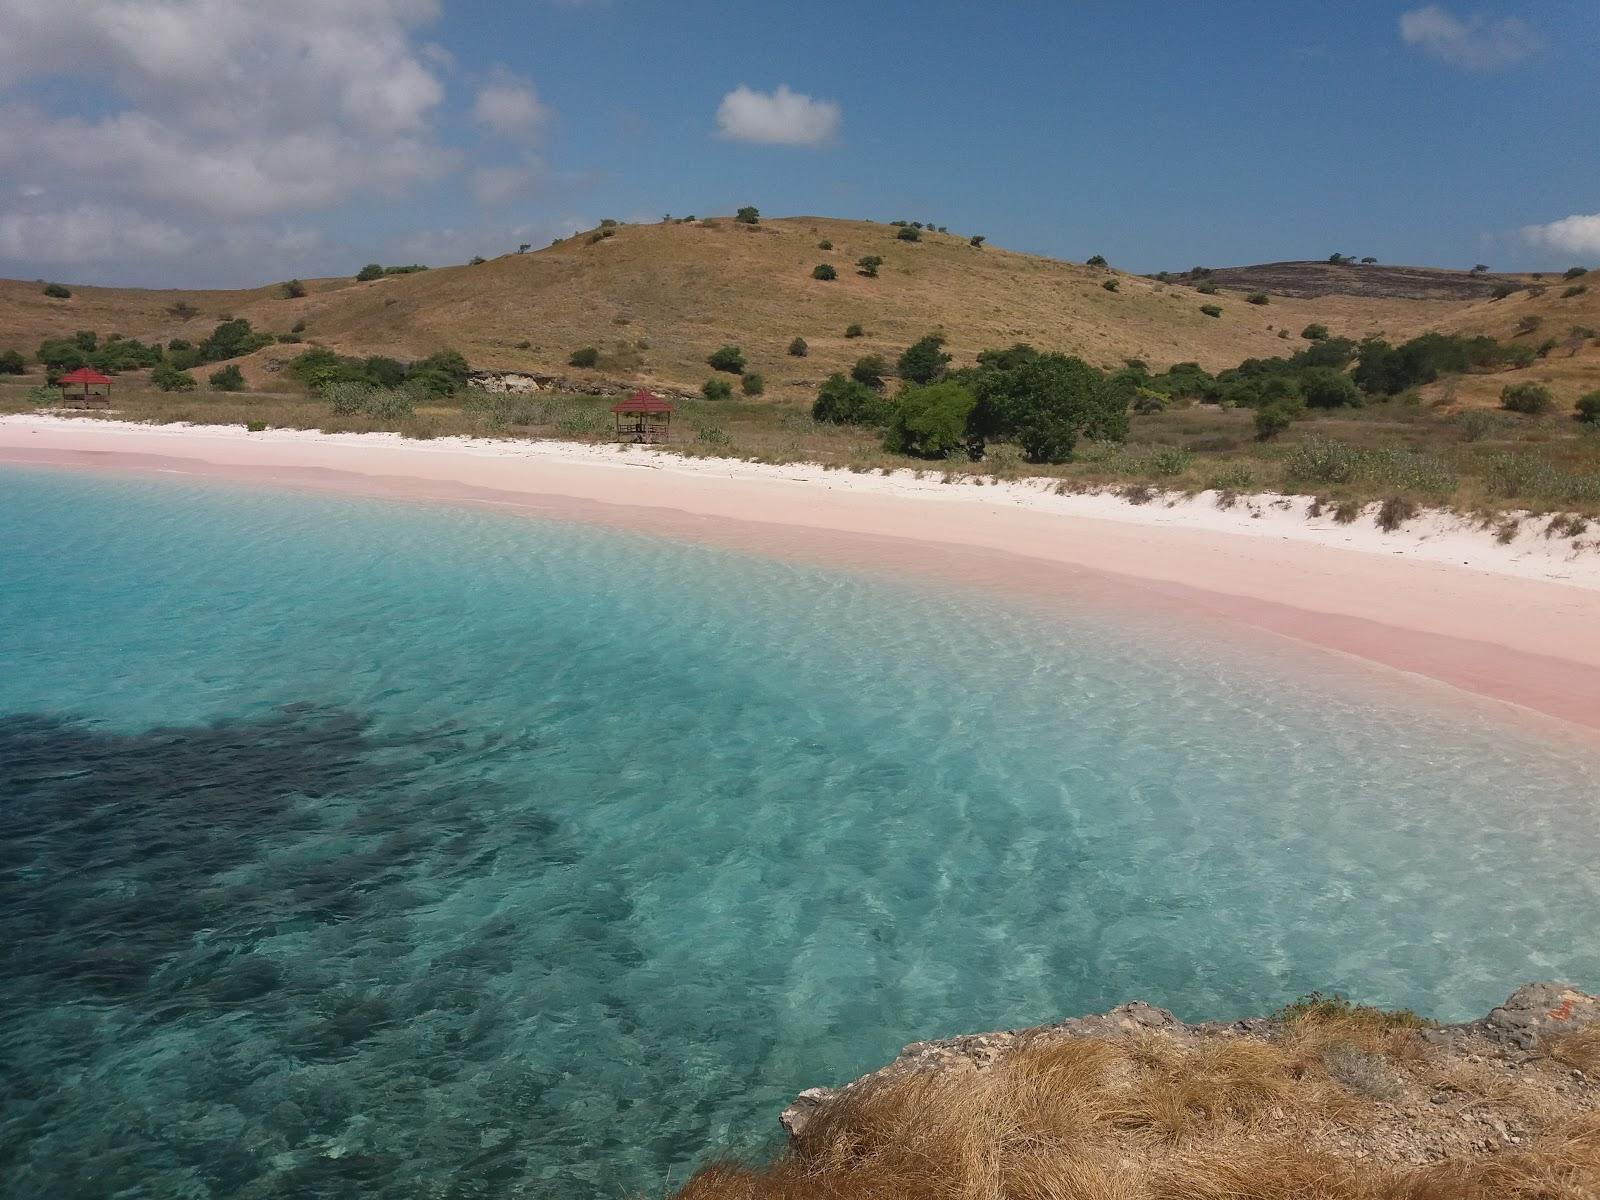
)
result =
(355, 848)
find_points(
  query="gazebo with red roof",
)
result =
(643, 417)
(88, 398)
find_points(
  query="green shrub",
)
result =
(42, 396)
(1211, 310)
(824, 271)
(1095, 260)
(1317, 459)
(370, 272)
(1530, 398)
(1257, 298)
(842, 401)
(1588, 408)
(585, 357)
(924, 360)
(711, 435)
(11, 363)
(908, 233)
(1315, 333)
(869, 371)
(976, 241)
(255, 426)
(294, 289)
(752, 384)
(227, 379)
(824, 245)
(798, 348)
(232, 339)
(1167, 461)
(1502, 290)
(57, 292)
(717, 389)
(931, 421)
(1576, 289)
(1476, 423)
(1323, 387)
(477, 260)
(1574, 272)
(1110, 285)
(298, 327)
(170, 379)
(1044, 402)
(1271, 420)
(854, 331)
(1206, 289)
(868, 265)
(1235, 477)
(729, 359)
(608, 222)
(748, 215)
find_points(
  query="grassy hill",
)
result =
(656, 299)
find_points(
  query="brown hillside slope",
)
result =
(656, 299)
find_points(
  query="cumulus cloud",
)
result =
(494, 186)
(780, 118)
(1578, 235)
(1478, 43)
(88, 233)
(510, 107)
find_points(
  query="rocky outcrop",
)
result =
(1514, 1030)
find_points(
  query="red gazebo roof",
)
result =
(641, 401)
(83, 375)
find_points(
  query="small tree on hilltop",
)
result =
(1574, 272)
(924, 360)
(57, 291)
(294, 289)
(909, 233)
(370, 272)
(1095, 260)
(976, 241)
(749, 215)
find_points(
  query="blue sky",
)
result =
(224, 144)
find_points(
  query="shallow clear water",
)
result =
(355, 848)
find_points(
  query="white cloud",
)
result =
(510, 107)
(1578, 234)
(88, 233)
(494, 186)
(1478, 43)
(780, 118)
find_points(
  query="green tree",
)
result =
(752, 384)
(1271, 420)
(1314, 332)
(1110, 285)
(477, 260)
(1095, 260)
(11, 363)
(57, 292)
(1574, 272)
(1529, 398)
(869, 371)
(169, 379)
(824, 245)
(1211, 310)
(1046, 403)
(842, 401)
(1257, 298)
(869, 264)
(1323, 387)
(727, 358)
(370, 272)
(931, 421)
(717, 389)
(227, 379)
(824, 271)
(294, 289)
(854, 331)
(232, 339)
(798, 348)
(748, 215)
(584, 357)
(1588, 408)
(976, 241)
(909, 233)
(924, 360)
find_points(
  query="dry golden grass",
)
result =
(1156, 1117)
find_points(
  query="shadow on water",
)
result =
(224, 969)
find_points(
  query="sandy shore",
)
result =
(1440, 597)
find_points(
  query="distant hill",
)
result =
(1312, 280)
(656, 299)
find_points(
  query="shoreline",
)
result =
(1438, 598)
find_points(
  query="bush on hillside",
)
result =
(717, 389)
(348, 398)
(1044, 403)
(976, 241)
(824, 271)
(868, 265)
(869, 371)
(170, 379)
(1315, 333)
(370, 272)
(1502, 290)
(909, 233)
(842, 401)
(1095, 260)
(232, 339)
(1206, 289)
(227, 379)
(1271, 420)
(1211, 310)
(752, 384)
(1574, 272)
(798, 348)
(854, 331)
(584, 357)
(824, 245)
(1576, 289)
(294, 289)
(1529, 398)
(1256, 298)
(1323, 387)
(931, 421)
(727, 358)
(477, 260)
(1588, 408)
(924, 360)
(57, 292)
(1110, 285)
(749, 215)
(11, 363)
